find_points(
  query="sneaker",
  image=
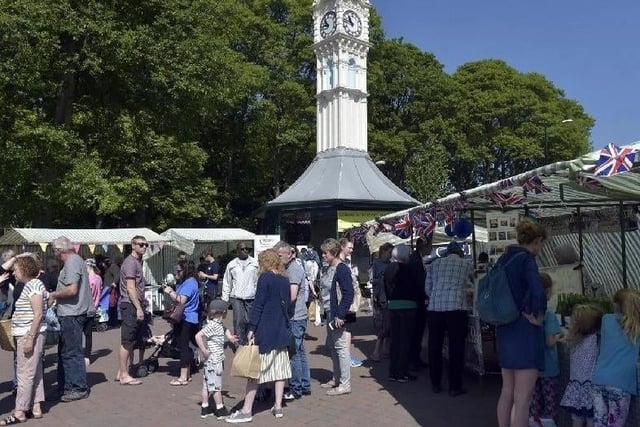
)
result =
(306, 392)
(338, 391)
(328, 384)
(277, 412)
(239, 417)
(205, 412)
(288, 396)
(221, 413)
(72, 396)
(355, 362)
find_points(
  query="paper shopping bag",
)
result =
(246, 362)
(311, 313)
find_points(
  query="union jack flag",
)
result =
(614, 159)
(402, 228)
(382, 227)
(505, 183)
(507, 199)
(424, 223)
(535, 184)
(449, 214)
(589, 183)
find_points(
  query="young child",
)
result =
(583, 348)
(214, 333)
(615, 377)
(544, 403)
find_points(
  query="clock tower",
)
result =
(341, 43)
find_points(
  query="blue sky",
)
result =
(590, 48)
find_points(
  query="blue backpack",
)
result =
(494, 303)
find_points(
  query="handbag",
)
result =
(357, 295)
(311, 312)
(174, 313)
(246, 362)
(6, 339)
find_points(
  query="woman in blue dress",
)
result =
(521, 343)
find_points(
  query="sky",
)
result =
(588, 48)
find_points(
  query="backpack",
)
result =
(494, 303)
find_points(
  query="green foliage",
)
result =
(195, 113)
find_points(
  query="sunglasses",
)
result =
(142, 244)
(244, 249)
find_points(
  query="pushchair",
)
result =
(163, 346)
(101, 322)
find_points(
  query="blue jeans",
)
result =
(300, 374)
(72, 373)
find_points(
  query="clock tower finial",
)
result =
(341, 44)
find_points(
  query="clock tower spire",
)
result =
(341, 44)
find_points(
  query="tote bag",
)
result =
(246, 362)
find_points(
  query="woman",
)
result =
(95, 283)
(28, 328)
(269, 326)
(346, 249)
(521, 343)
(185, 331)
(338, 319)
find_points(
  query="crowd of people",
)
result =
(269, 297)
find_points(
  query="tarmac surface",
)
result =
(374, 400)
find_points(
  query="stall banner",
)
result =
(350, 219)
(265, 241)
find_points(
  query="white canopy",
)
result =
(112, 236)
(185, 239)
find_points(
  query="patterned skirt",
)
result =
(578, 399)
(275, 366)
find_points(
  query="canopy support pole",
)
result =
(623, 244)
(581, 249)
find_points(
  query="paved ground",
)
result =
(374, 401)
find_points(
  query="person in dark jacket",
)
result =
(423, 248)
(338, 319)
(269, 327)
(403, 294)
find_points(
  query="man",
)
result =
(239, 287)
(423, 248)
(311, 254)
(73, 298)
(209, 275)
(182, 256)
(300, 382)
(447, 282)
(132, 308)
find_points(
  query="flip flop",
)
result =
(179, 382)
(11, 420)
(131, 382)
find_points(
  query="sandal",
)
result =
(11, 420)
(179, 382)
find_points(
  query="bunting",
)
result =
(449, 215)
(43, 246)
(92, 248)
(424, 223)
(505, 199)
(402, 228)
(535, 185)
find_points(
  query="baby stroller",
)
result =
(101, 322)
(165, 346)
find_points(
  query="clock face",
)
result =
(328, 24)
(352, 23)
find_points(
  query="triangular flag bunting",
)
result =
(105, 248)
(43, 246)
(92, 248)
(120, 247)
